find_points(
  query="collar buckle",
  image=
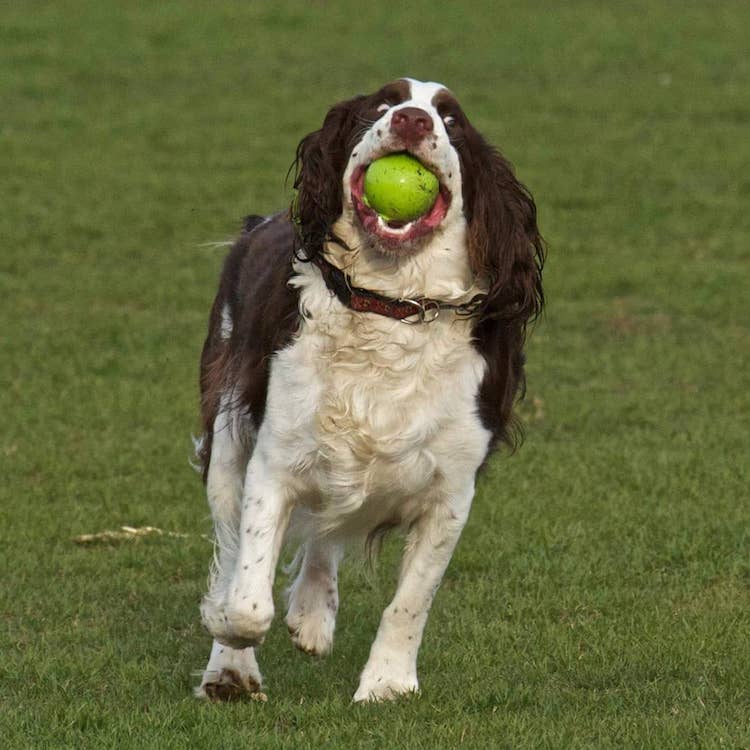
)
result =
(425, 310)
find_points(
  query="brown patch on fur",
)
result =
(264, 313)
(508, 252)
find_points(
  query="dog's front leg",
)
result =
(230, 672)
(266, 506)
(391, 669)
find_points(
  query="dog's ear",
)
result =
(318, 171)
(506, 249)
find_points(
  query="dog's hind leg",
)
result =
(314, 598)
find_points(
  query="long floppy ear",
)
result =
(318, 170)
(505, 246)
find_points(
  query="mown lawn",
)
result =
(600, 596)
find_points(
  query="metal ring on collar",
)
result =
(427, 312)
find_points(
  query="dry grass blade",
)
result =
(124, 534)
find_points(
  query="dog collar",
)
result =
(363, 300)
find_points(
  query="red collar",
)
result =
(363, 300)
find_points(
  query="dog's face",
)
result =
(478, 190)
(420, 119)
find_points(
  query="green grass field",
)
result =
(600, 595)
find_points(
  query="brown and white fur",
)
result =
(329, 424)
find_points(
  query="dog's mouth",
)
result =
(390, 231)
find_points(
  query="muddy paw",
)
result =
(228, 686)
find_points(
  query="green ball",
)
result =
(400, 188)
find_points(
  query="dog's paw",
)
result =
(312, 632)
(311, 618)
(385, 689)
(231, 674)
(384, 680)
(228, 685)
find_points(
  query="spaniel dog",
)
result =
(356, 374)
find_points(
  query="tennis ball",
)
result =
(400, 188)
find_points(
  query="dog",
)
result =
(356, 374)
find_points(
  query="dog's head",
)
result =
(479, 199)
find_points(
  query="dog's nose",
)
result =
(411, 123)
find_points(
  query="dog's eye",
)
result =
(449, 121)
(383, 107)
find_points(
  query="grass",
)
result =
(600, 596)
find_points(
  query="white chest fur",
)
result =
(370, 417)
